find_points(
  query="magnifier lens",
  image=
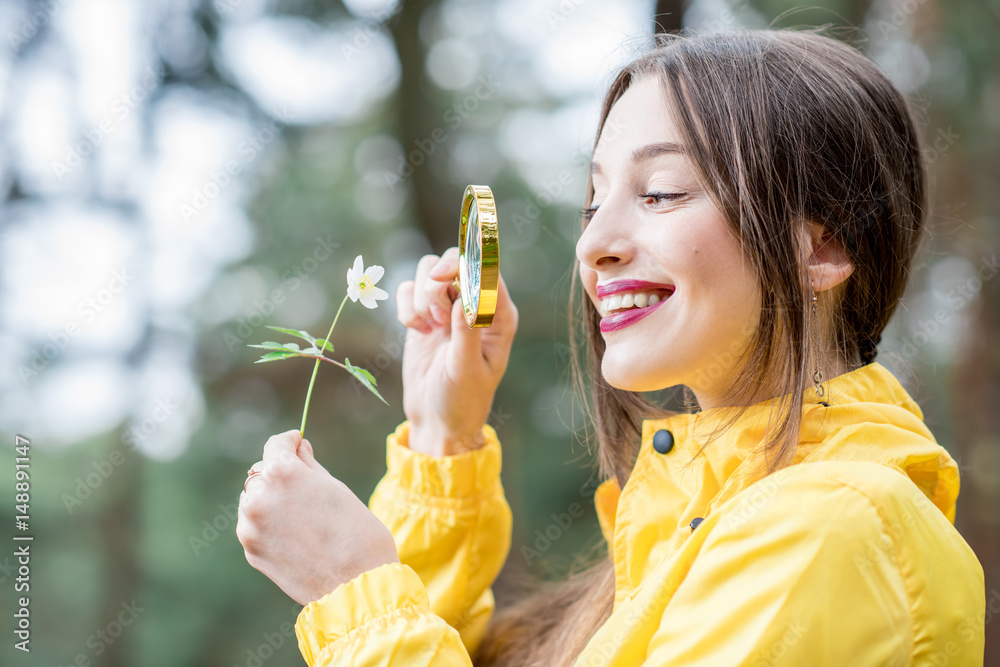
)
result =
(473, 261)
(479, 255)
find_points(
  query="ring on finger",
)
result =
(250, 475)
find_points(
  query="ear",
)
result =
(826, 259)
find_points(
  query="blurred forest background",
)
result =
(175, 174)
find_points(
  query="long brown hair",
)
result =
(783, 127)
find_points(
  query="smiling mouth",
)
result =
(637, 300)
(619, 316)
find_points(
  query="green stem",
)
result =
(326, 359)
(312, 381)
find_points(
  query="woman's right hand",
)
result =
(450, 372)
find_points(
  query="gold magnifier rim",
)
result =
(481, 197)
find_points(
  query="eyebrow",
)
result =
(647, 152)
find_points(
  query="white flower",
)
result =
(361, 284)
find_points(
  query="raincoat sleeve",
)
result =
(831, 563)
(452, 526)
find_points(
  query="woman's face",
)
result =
(656, 232)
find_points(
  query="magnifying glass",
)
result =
(479, 257)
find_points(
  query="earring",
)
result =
(818, 373)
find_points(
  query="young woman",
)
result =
(755, 203)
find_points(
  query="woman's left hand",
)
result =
(305, 529)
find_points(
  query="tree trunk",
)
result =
(669, 14)
(119, 530)
(417, 120)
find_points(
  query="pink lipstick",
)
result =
(629, 285)
(623, 319)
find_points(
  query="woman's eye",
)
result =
(657, 197)
(589, 212)
(650, 197)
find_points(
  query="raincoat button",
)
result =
(696, 522)
(663, 441)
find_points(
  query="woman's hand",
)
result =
(450, 372)
(305, 529)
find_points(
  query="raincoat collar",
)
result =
(870, 417)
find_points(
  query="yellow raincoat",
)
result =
(848, 557)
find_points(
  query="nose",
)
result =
(605, 241)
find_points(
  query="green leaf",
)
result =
(315, 351)
(325, 344)
(364, 377)
(291, 348)
(269, 345)
(371, 378)
(274, 356)
(298, 333)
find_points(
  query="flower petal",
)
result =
(353, 291)
(354, 274)
(379, 293)
(367, 300)
(374, 274)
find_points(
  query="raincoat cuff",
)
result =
(464, 475)
(392, 588)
